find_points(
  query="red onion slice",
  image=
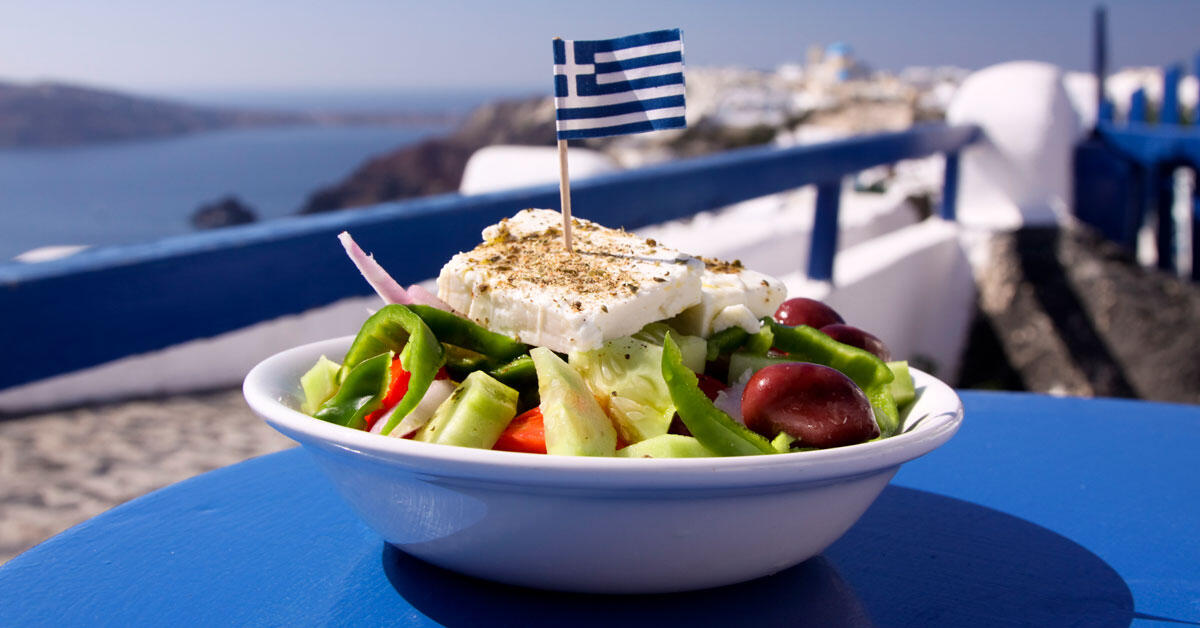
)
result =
(425, 297)
(376, 276)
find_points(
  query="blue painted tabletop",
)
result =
(1040, 511)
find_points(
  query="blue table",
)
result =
(1041, 511)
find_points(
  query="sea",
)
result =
(138, 191)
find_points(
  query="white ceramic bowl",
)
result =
(611, 525)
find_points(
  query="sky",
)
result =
(165, 46)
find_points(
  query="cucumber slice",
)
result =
(319, 384)
(625, 377)
(740, 362)
(903, 390)
(474, 416)
(783, 442)
(666, 446)
(575, 424)
(693, 348)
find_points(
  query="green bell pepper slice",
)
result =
(517, 373)
(453, 329)
(396, 328)
(385, 330)
(462, 362)
(520, 374)
(360, 394)
(725, 341)
(760, 342)
(807, 344)
(713, 428)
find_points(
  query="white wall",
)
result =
(771, 234)
(913, 288)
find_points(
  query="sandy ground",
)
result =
(61, 468)
(1075, 315)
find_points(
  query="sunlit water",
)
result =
(138, 191)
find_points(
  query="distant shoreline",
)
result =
(460, 100)
(48, 115)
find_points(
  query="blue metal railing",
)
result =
(109, 303)
(1125, 171)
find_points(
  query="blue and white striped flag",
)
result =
(614, 86)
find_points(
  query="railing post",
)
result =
(1169, 113)
(1137, 106)
(1162, 183)
(949, 209)
(823, 245)
(1196, 219)
(1100, 62)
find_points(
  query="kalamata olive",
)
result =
(802, 311)
(855, 337)
(814, 403)
(710, 385)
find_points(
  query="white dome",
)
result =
(1020, 173)
(495, 168)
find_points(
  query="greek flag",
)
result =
(615, 86)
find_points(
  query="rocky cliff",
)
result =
(435, 166)
(727, 108)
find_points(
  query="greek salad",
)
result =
(800, 379)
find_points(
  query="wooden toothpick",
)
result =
(564, 194)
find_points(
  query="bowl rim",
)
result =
(265, 392)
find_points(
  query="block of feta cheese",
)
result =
(522, 282)
(730, 296)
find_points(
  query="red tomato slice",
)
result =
(526, 433)
(395, 391)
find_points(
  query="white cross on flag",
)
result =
(615, 86)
